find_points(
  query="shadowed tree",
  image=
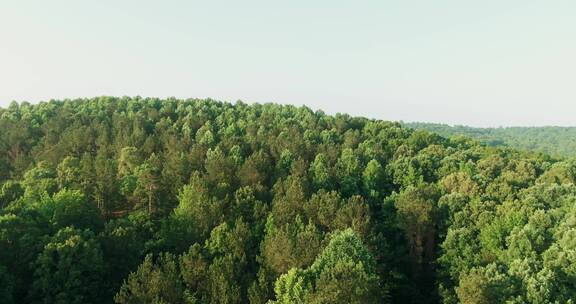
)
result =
(70, 269)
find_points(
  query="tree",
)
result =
(39, 180)
(416, 208)
(105, 186)
(242, 196)
(9, 192)
(123, 245)
(289, 199)
(343, 273)
(349, 172)
(148, 181)
(69, 173)
(228, 274)
(373, 180)
(22, 237)
(128, 161)
(219, 170)
(289, 245)
(320, 172)
(70, 208)
(154, 282)
(485, 285)
(6, 286)
(255, 170)
(70, 269)
(459, 182)
(330, 212)
(197, 209)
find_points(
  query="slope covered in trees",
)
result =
(554, 141)
(132, 200)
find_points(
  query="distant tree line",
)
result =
(554, 141)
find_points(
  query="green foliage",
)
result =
(22, 238)
(69, 269)
(9, 192)
(373, 179)
(154, 282)
(320, 172)
(70, 208)
(348, 171)
(40, 180)
(555, 141)
(342, 273)
(69, 173)
(200, 201)
(198, 208)
(289, 245)
(123, 245)
(6, 286)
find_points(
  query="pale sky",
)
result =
(479, 63)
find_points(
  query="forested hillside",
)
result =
(132, 200)
(555, 141)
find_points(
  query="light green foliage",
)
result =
(69, 173)
(205, 135)
(216, 272)
(485, 285)
(348, 171)
(128, 160)
(40, 180)
(320, 172)
(373, 179)
(9, 192)
(560, 173)
(197, 208)
(293, 287)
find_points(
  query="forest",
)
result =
(145, 200)
(554, 141)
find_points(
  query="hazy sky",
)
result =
(481, 63)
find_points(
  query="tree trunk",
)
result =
(150, 200)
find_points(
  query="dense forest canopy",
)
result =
(142, 200)
(554, 141)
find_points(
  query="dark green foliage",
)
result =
(70, 208)
(153, 282)
(70, 269)
(139, 200)
(22, 238)
(123, 244)
(6, 286)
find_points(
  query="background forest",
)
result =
(555, 141)
(133, 200)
